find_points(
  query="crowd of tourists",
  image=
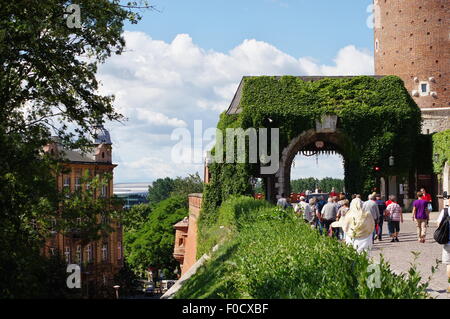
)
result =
(360, 223)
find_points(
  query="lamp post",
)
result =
(391, 161)
(116, 287)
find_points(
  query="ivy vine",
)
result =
(441, 147)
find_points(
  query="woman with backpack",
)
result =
(443, 230)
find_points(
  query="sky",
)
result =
(183, 63)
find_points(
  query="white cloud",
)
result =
(160, 86)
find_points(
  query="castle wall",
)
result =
(412, 41)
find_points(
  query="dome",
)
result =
(101, 135)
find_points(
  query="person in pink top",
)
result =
(394, 216)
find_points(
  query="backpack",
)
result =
(441, 235)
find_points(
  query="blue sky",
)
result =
(317, 28)
(184, 63)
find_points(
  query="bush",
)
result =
(273, 254)
(230, 216)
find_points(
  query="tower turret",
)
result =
(412, 41)
(103, 145)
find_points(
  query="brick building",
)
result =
(185, 248)
(412, 41)
(102, 259)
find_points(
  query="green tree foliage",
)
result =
(152, 244)
(160, 190)
(127, 280)
(188, 185)
(326, 184)
(135, 217)
(163, 188)
(441, 147)
(303, 184)
(311, 183)
(47, 83)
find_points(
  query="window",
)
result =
(119, 251)
(105, 220)
(77, 183)
(67, 255)
(66, 181)
(79, 255)
(424, 88)
(89, 253)
(105, 252)
(104, 192)
(377, 45)
(53, 226)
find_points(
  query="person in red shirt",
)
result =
(425, 196)
(333, 192)
(388, 202)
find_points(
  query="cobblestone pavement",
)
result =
(400, 256)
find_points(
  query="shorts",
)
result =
(394, 226)
(446, 254)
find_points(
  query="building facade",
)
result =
(412, 41)
(102, 259)
(185, 246)
(132, 193)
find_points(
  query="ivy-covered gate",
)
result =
(367, 119)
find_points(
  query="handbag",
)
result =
(430, 207)
(441, 235)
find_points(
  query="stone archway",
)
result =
(331, 136)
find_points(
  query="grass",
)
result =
(270, 253)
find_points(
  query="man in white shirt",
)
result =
(301, 207)
(445, 248)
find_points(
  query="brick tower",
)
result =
(412, 41)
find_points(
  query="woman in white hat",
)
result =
(358, 226)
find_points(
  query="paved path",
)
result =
(400, 257)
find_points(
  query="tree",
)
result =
(135, 217)
(311, 183)
(163, 188)
(160, 190)
(127, 280)
(47, 84)
(188, 185)
(152, 245)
